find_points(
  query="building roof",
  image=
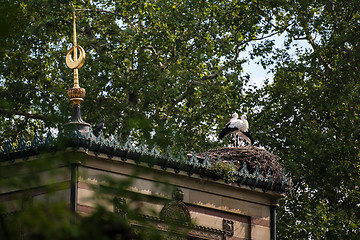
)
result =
(249, 166)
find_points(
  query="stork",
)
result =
(238, 127)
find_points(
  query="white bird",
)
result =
(238, 127)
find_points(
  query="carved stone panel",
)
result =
(119, 205)
(228, 227)
(176, 210)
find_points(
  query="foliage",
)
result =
(224, 170)
(164, 71)
(43, 212)
(309, 116)
(169, 72)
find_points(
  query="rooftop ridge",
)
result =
(201, 164)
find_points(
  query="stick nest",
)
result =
(251, 155)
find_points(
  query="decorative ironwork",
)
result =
(194, 163)
(129, 145)
(49, 139)
(243, 174)
(36, 141)
(257, 177)
(8, 147)
(155, 152)
(142, 149)
(114, 142)
(100, 139)
(111, 147)
(284, 182)
(269, 179)
(168, 154)
(193, 160)
(181, 156)
(21, 146)
(206, 163)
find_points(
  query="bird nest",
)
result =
(251, 155)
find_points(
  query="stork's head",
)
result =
(243, 117)
(234, 116)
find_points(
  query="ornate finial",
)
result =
(76, 93)
(178, 195)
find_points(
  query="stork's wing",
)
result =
(226, 131)
(239, 124)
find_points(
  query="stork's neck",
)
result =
(246, 124)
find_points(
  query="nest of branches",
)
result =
(251, 155)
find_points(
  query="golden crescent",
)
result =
(79, 62)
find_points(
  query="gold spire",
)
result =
(76, 93)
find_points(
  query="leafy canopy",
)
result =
(310, 117)
(169, 72)
(164, 71)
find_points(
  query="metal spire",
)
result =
(76, 93)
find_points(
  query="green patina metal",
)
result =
(269, 179)
(140, 153)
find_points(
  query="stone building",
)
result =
(210, 200)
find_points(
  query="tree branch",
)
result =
(107, 11)
(11, 112)
(316, 48)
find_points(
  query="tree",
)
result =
(27, 217)
(161, 71)
(169, 72)
(310, 117)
